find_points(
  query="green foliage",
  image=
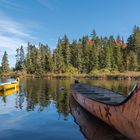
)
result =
(38, 60)
(66, 50)
(20, 59)
(94, 72)
(76, 53)
(133, 62)
(90, 55)
(5, 64)
(71, 70)
(100, 72)
(0, 70)
(58, 58)
(133, 50)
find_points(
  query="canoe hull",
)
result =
(91, 126)
(125, 117)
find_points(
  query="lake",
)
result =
(44, 109)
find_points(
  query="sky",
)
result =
(34, 21)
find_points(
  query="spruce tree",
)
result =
(5, 63)
(17, 66)
(137, 42)
(22, 58)
(133, 63)
(94, 58)
(38, 66)
(107, 57)
(118, 58)
(48, 61)
(85, 54)
(73, 53)
(66, 51)
(59, 60)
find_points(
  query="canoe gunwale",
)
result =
(125, 116)
(130, 94)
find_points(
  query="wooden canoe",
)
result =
(122, 113)
(9, 85)
(91, 126)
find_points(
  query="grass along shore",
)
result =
(101, 75)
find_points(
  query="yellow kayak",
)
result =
(9, 92)
(9, 85)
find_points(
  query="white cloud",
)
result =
(10, 44)
(10, 4)
(49, 4)
(12, 34)
(11, 27)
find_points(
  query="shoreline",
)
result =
(99, 76)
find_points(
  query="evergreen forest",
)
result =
(88, 54)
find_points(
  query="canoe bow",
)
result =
(124, 116)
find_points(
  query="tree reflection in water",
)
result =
(38, 94)
(63, 104)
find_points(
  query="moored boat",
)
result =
(9, 85)
(122, 113)
(9, 92)
(92, 127)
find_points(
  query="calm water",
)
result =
(42, 110)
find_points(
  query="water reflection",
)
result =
(92, 127)
(122, 86)
(37, 94)
(41, 92)
(4, 94)
(49, 101)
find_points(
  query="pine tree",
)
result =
(102, 53)
(118, 58)
(48, 61)
(31, 58)
(137, 42)
(38, 66)
(101, 57)
(133, 48)
(94, 58)
(133, 63)
(5, 63)
(59, 60)
(74, 53)
(107, 57)
(107, 62)
(66, 50)
(111, 44)
(94, 35)
(22, 58)
(85, 54)
(17, 66)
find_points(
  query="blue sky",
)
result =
(46, 20)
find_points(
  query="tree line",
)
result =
(85, 55)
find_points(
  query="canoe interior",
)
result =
(99, 94)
